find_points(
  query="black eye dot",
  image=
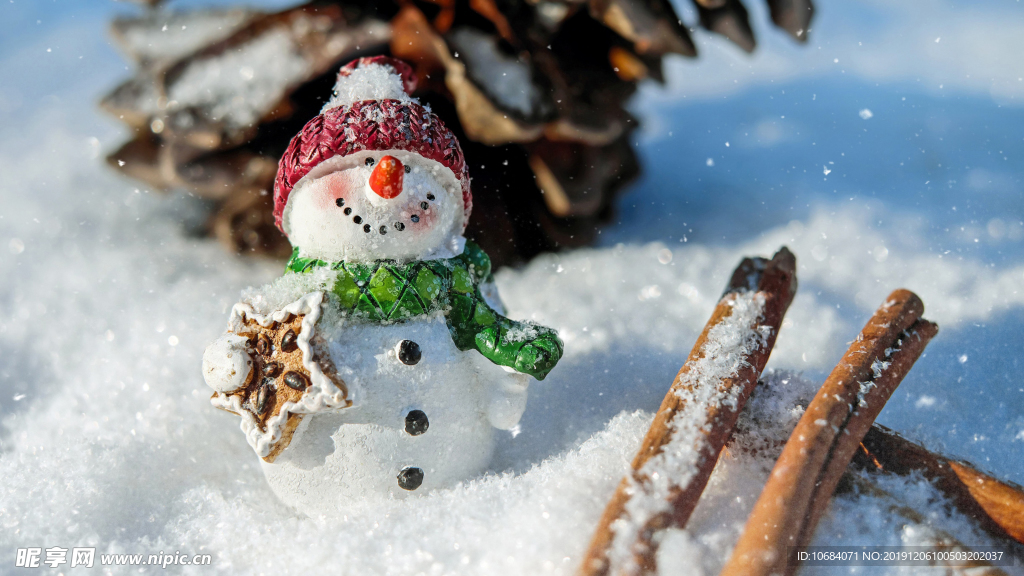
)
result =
(415, 218)
(430, 196)
(410, 478)
(383, 229)
(424, 205)
(408, 169)
(357, 219)
(416, 422)
(369, 161)
(348, 211)
(366, 228)
(409, 352)
(399, 226)
(340, 202)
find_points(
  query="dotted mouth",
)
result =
(383, 228)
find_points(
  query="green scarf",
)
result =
(385, 291)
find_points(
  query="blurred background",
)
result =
(536, 91)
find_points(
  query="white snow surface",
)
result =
(108, 298)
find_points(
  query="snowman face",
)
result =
(368, 206)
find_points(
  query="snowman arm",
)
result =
(475, 324)
(522, 346)
(226, 363)
(531, 348)
(507, 399)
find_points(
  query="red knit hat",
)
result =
(371, 110)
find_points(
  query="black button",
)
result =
(410, 478)
(416, 422)
(409, 352)
(340, 202)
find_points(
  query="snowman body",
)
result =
(389, 375)
(415, 426)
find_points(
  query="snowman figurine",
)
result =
(381, 362)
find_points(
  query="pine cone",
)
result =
(535, 90)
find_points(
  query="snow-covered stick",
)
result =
(696, 418)
(827, 436)
(997, 507)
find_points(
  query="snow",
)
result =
(240, 85)
(108, 438)
(286, 289)
(521, 333)
(170, 35)
(507, 79)
(373, 82)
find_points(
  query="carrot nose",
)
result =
(386, 179)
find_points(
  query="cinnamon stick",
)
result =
(826, 437)
(997, 506)
(696, 418)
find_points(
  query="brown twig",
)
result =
(772, 285)
(828, 434)
(997, 507)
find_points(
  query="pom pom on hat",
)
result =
(400, 67)
(373, 78)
